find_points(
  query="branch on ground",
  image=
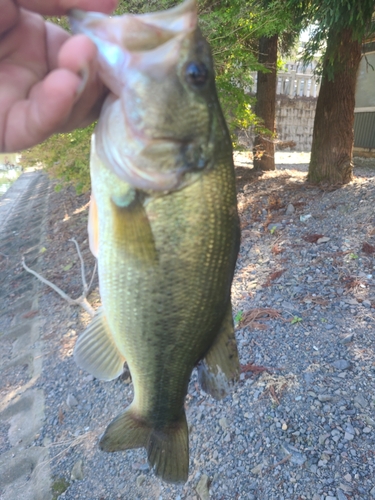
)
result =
(82, 299)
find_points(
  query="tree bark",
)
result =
(333, 136)
(264, 146)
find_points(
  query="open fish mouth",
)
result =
(147, 41)
(136, 32)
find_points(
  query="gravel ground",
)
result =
(301, 422)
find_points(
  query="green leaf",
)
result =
(295, 320)
(68, 266)
(238, 317)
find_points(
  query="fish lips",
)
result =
(148, 40)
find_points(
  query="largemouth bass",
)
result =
(164, 227)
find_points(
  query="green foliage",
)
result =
(353, 256)
(233, 28)
(227, 27)
(59, 485)
(63, 22)
(65, 156)
(238, 317)
(296, 320)
(329, 18)
(143, 6)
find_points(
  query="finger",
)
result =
(56, 37)
(9, 15)
(87, 107)
(76, 54)
(59, 7)
(50, 103)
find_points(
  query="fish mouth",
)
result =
(137, 158)
(136, 32)
(130, 45)
(141, 169)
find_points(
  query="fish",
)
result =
(164, 227)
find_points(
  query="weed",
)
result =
(59, 486)
(295, 320)
(238, 317)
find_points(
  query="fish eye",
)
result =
(196, 74)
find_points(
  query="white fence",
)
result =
(293, 84)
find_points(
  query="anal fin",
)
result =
(220, 368)
(96, 352)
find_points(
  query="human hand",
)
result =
(48, 80)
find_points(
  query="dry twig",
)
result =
(280, 462)
(249, 317)
(250, 367)
(274, 276)
(81, 300)
(312, 238)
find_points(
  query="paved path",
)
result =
(24, 468)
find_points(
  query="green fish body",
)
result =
(166, 238)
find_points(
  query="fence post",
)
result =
(283, 83)
(291, 80)
(305, 78)
(298, 85)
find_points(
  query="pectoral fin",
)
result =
(96, 352)
(220, 368)
(132, 230)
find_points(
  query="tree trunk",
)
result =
(333, 136)
(264, 146)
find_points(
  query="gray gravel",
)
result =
(302, 429)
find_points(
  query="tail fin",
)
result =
(168, 452)
(125, 432)
(167, 448)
